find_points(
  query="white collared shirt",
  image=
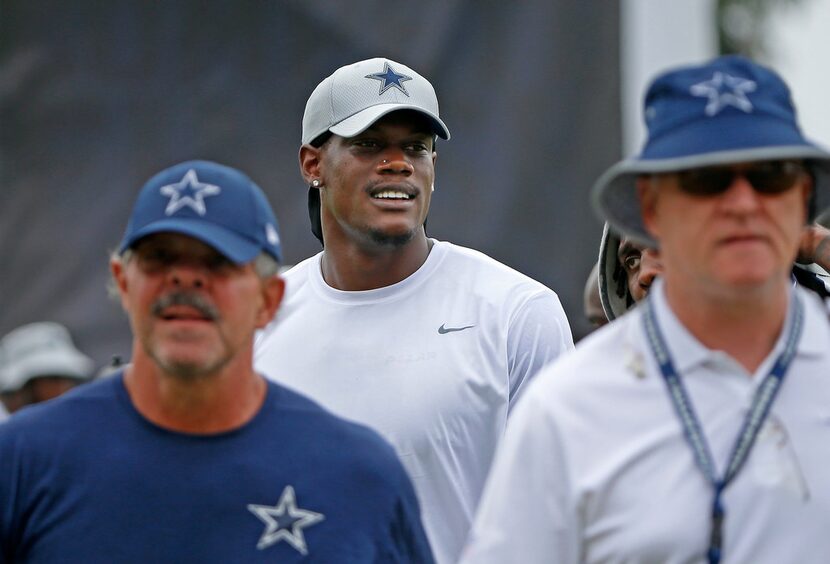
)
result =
(595, 468)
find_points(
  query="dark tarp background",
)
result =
(95, 97)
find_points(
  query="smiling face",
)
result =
(192, 311)
(376, 186)
(738, 239)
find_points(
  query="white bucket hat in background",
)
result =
(40, 349)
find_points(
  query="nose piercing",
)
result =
(384, 161)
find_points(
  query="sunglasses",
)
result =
(766, 177)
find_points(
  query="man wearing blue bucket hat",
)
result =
(189, 455)
(695, 428)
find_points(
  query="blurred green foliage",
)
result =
(743, 25)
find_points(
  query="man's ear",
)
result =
(310, 163)
(119, 278)
(273, 290)
(808, 186)
(647, 195)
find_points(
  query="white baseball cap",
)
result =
(357, 95)
(40, 349)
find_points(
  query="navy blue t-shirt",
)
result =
(85, 478)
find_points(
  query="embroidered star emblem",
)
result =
(188, 192)
(390, 79)
(285, 521)
(271, 234)
(724, 90)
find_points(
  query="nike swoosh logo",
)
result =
(444, 330)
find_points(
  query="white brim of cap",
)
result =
(614, 195)
(362, 120)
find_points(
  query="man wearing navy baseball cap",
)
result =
(695, 428)
(425, 341)
(189, 455)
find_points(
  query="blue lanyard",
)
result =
(754, 420)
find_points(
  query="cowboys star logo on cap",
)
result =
(188, 192)
(271, 234)
(285, 521)
(390, 79)
(724, 90)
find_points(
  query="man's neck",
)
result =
(745, 325)
(351, 267)
(205, 404)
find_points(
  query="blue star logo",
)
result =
(188, 192)
(285, 521)
(390, 79)
(724, 90)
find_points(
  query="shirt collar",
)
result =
(687, 352)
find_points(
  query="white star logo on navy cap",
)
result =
(188, 192)
(390, 79)
(285, 521)
(724, 90)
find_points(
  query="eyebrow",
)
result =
(625, 248)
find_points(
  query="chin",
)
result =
(188, 366)
(392, 240)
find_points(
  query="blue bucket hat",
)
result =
(215, 204)
(729, 110)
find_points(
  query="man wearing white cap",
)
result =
(696, 427)
(39, 362)
(423, 340)
(189, 455)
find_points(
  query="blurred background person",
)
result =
(625, 274)
(627, 269)
(40, 362)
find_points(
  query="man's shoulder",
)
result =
(483, 270)
(64, 415)
(298, 273)
(320, 426)
(609, 357)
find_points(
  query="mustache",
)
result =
(189, 299)
(404, 185)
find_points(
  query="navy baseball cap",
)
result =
(727, 111)
(216, 204)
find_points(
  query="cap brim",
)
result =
(615, 200)
(231, 245)
(361, 121)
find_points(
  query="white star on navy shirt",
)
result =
(724, 90)
(188, 192)
(285, 521)
(389, 79)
